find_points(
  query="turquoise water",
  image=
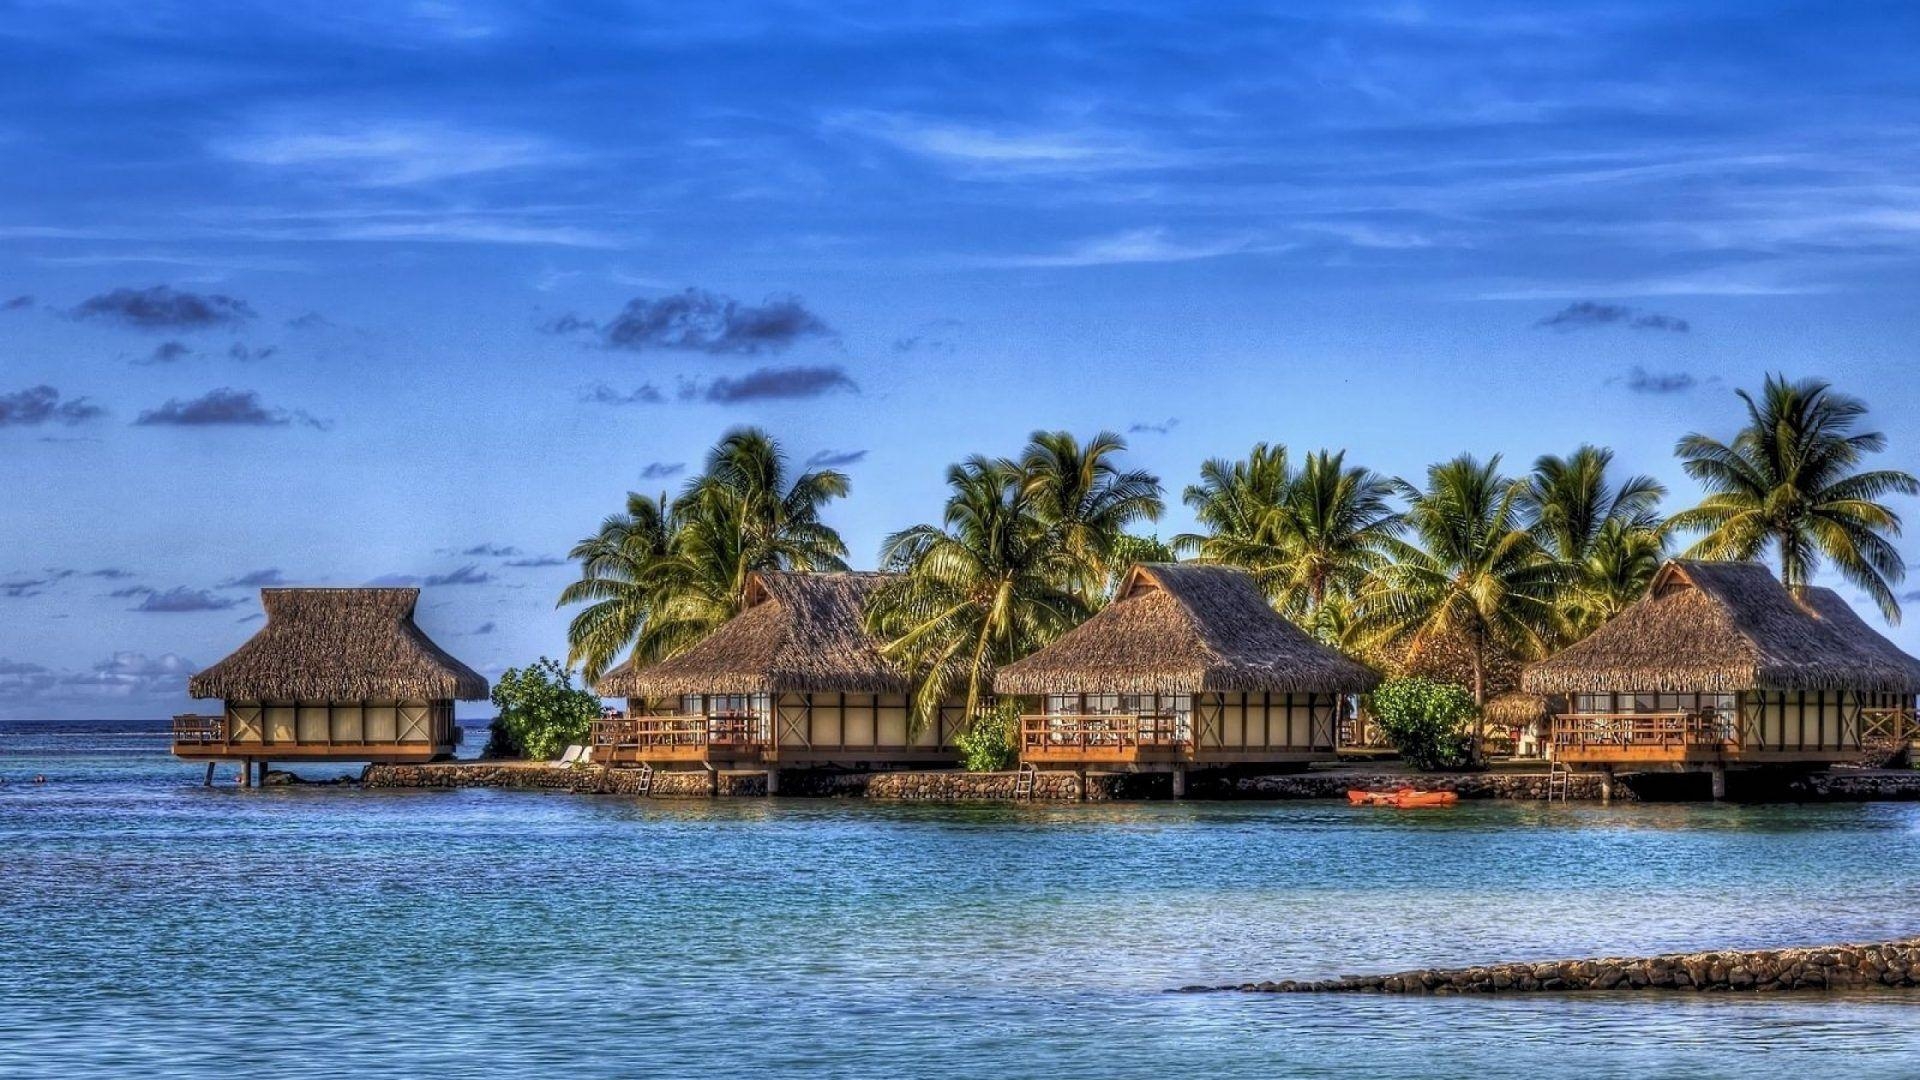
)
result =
(150, 926)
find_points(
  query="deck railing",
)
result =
(1060, 732)
(742, 730)
(1891, 726)
(1676, 730)
(199, 728)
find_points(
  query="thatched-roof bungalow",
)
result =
(1189, 666)
(333, 675)
(795, 679)
(1722, 665)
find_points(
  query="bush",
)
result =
(987, 745)
(541, 712)
(1427, 721)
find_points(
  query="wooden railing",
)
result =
(1058, 732)
(720, 729)
(1667, 729)
(1885, 726)
(199, 728)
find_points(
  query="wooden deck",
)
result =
(719, 740)
(1708, 738)
(198, 737)
(1144, 742)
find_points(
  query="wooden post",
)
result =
(209, 780)
(246, 772)
(263, 772)
(1606, 785)
(773, 780)
(1719, 775)
(1179, 781)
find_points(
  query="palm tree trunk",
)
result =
(1479, 696)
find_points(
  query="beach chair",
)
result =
(575, 755)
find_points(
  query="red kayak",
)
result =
(1403, 799)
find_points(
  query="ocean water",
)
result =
(151, 927)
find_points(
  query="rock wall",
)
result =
(521, 776)
(1488, 785)
(1828, 967)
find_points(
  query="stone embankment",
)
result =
(1336, 784)
(1827, 967)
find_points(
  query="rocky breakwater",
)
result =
(541, 776)
(1827, 967)
(1334, 784)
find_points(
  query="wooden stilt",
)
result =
(209, 780)
(263, 772)
(773, 781)
(1179, 782)
(246, 773)
(1606, 785)
(1719, 775)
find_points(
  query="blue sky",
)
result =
(335, 293)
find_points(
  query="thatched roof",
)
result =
(804, 633)
(1517, 708)
(338, 645)
(1182, 629)
(1725, 627)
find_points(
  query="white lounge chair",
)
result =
(575, 755)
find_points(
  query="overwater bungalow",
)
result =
(333, 675)
(793, 681)
(1721, 666)
(1189, 667)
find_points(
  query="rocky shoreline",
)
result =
(1888, 964)
(958, 786)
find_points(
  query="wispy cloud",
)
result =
(385, 153)
(602, 394)
(981, 151)
(661, 470)
(833, 459)
(465, 575)
(182, 600)
(255, 579)
(1142, 427)
(1641, 381)
(767, 384)
(1148, 245)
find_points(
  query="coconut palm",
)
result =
(1237, 503)
(1333, 526)
(1089, 500)
(1130, 550)
(1471, 572)
(1603, 532)
(1788, 482)
(988, 585)
(662, 577)
(620, 579)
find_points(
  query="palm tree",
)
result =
(620, 579)
(1788, 482)
(1082, 494)
(1237, 503)
(1130, 550)
(1473, 572)
(1333, 525)
(990, 584)
(1603, 533)
(662, 577)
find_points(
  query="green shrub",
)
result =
(1427, 721)
(987, 745)
(541, 712)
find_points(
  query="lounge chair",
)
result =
(575, 755)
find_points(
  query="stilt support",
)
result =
(1606, 785)
(209, 780)
(1179, 782)
(246, 773)
(773, 781)
(1719, 775)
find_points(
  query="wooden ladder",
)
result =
(646, 780)
(1559, 781)
(1023, 781)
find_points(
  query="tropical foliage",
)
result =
(1605, 533)
(661, 576)
(541, 712)
(986, 744)
(1425, 720)
(1789, 483)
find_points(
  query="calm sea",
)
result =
(151, 927)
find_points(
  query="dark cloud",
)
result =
(18, 303)
(923, 344)
(42, 404)
(166, 353)
(491, 551)
(130, 591)
(661, 470)
(1144, 428)
(1587, 313)
(772, 383)
(164, 308)
(238, 351)
(602, 394)
(1641, 381)
(225, 407)
(484, 628)
(466, 575)
(255, 579)
(181, 599)
(21, 588)
(395, 581)
(538, 560)
(828, 459)
(311, 320)
(255, 617)
(700, 321)
(1912, 597)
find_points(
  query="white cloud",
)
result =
(392, 153)
(986, 151)
(1150, 245)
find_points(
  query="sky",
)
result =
(416, 292)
